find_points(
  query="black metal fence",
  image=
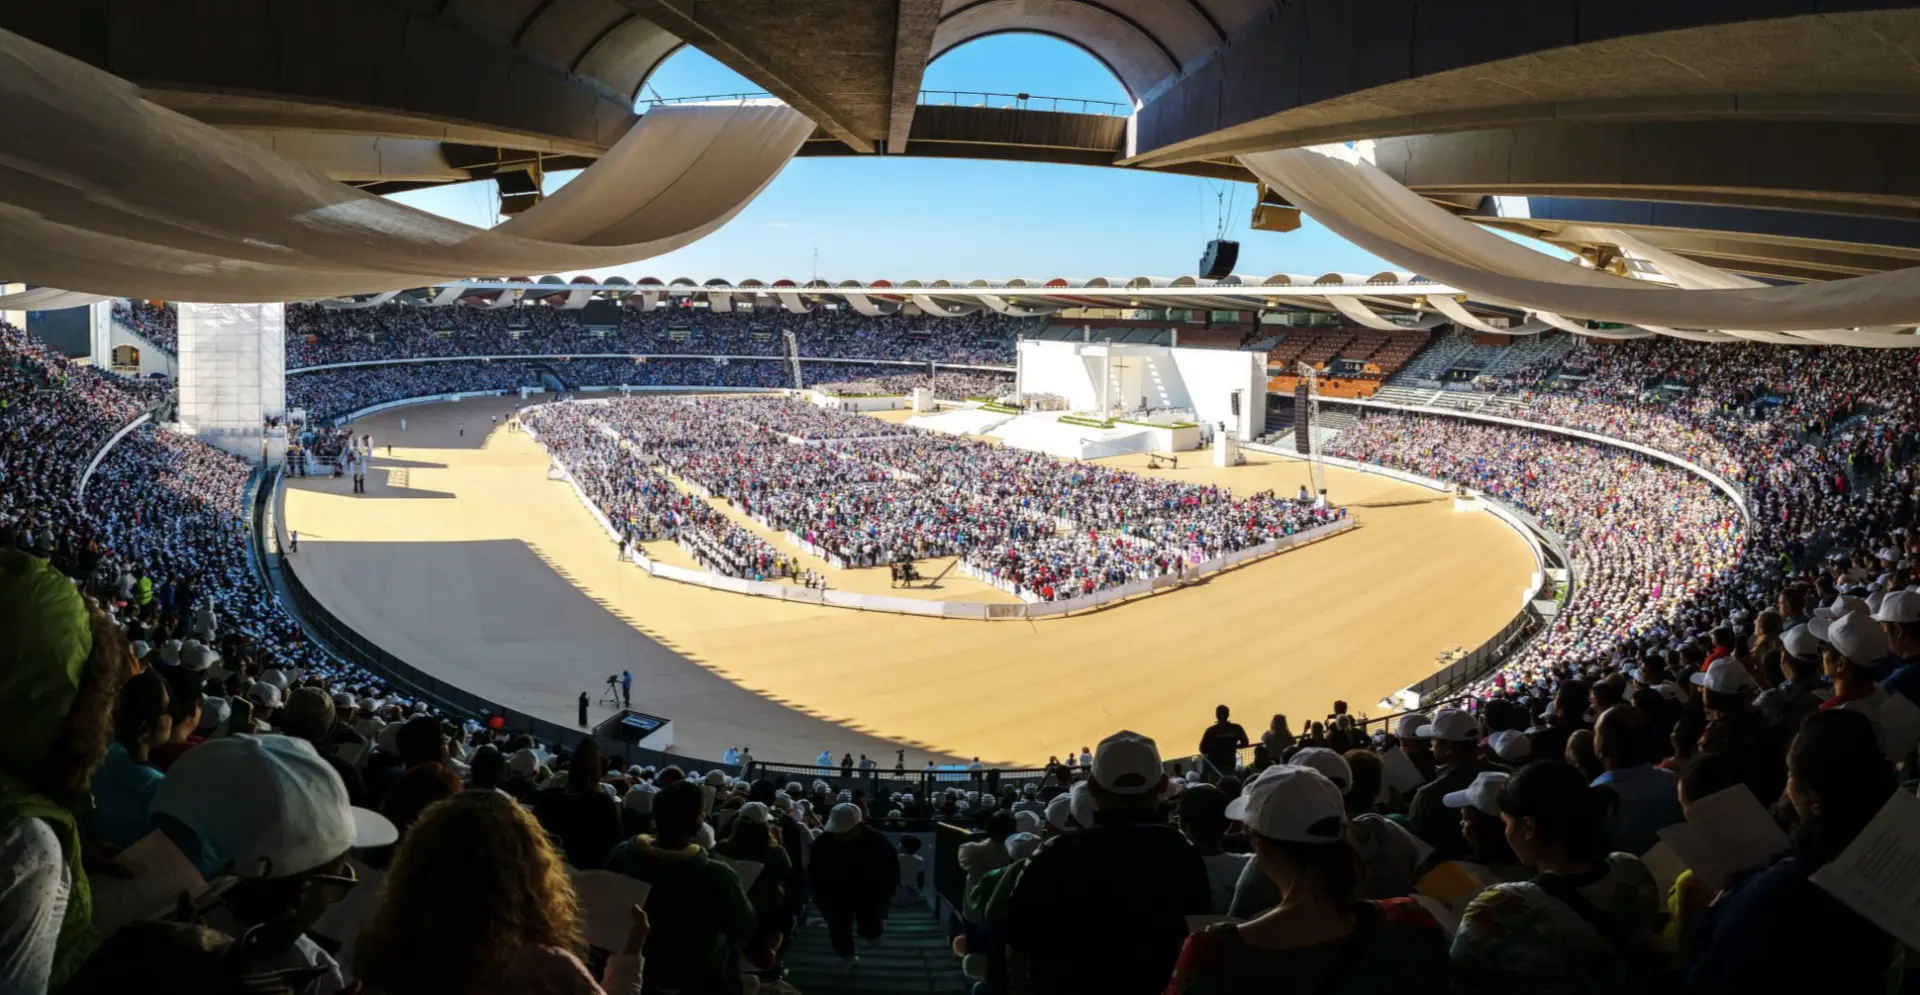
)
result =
(922, 783)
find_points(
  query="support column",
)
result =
(233, 377)
(100, 334)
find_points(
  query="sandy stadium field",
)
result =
(466, 561)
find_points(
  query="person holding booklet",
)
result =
(1754, 937)
(478, 900)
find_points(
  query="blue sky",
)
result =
(898, 217)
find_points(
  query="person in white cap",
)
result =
(1786, 704)
(1455, 736)
(1855, 646)
(269, 810)
(1489, 858)
(1321, 929)
(1122, 889)
(1417, 747)
(853, 871)
(1899, 617)
(1577, 924)
(751, 836)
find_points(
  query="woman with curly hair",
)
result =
(62, 661)
(477, 900)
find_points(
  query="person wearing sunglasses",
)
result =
(271, 812)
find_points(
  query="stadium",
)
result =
(1531, 604)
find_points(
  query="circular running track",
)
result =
(464, 560)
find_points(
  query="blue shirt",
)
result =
(123, 791)
(1905, 679)
(1648, 802)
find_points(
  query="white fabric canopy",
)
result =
(1360, 314)
(1460, 316)
(1690, 275)
(47, 299)
(1370, 209)
(106, 193)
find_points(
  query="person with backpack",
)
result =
(1584, 923)
(1322, 939)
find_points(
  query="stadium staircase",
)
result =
(915, 957)
(550, 378)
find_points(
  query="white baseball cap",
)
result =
(1028, 821)
(264, 694)
(1127, 763)
(844, 816)
(1410, 725)
(1855, 636)
(1293, 805)
(1900, 606)
(1801, 643)
(1020, 846)
(1725, 676)
(523, 763)
(1483, 793)
(1510, 745)
(1060, 812)
(170, 652)
(214, 712)
(1453, 725)
(267, 805)
(755, 812)
(1331, 765)
(196, 656)
(1845, 604)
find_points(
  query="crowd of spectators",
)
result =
(871, 493)
(158, 323)
(328, 394)
(318, 335)
(156, 700)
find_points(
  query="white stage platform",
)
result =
(1044, 432)
(960, 421)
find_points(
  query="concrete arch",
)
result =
(1108, 30)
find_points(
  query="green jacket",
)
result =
(699, 913)
(43, 655)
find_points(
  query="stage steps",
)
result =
(914, 956)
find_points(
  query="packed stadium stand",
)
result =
(1714, 644)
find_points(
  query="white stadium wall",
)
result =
(1212, 376)
(1059, 368)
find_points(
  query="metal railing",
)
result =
(1023, 102)
(887, 780)
(934, 98)
(709, 98)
